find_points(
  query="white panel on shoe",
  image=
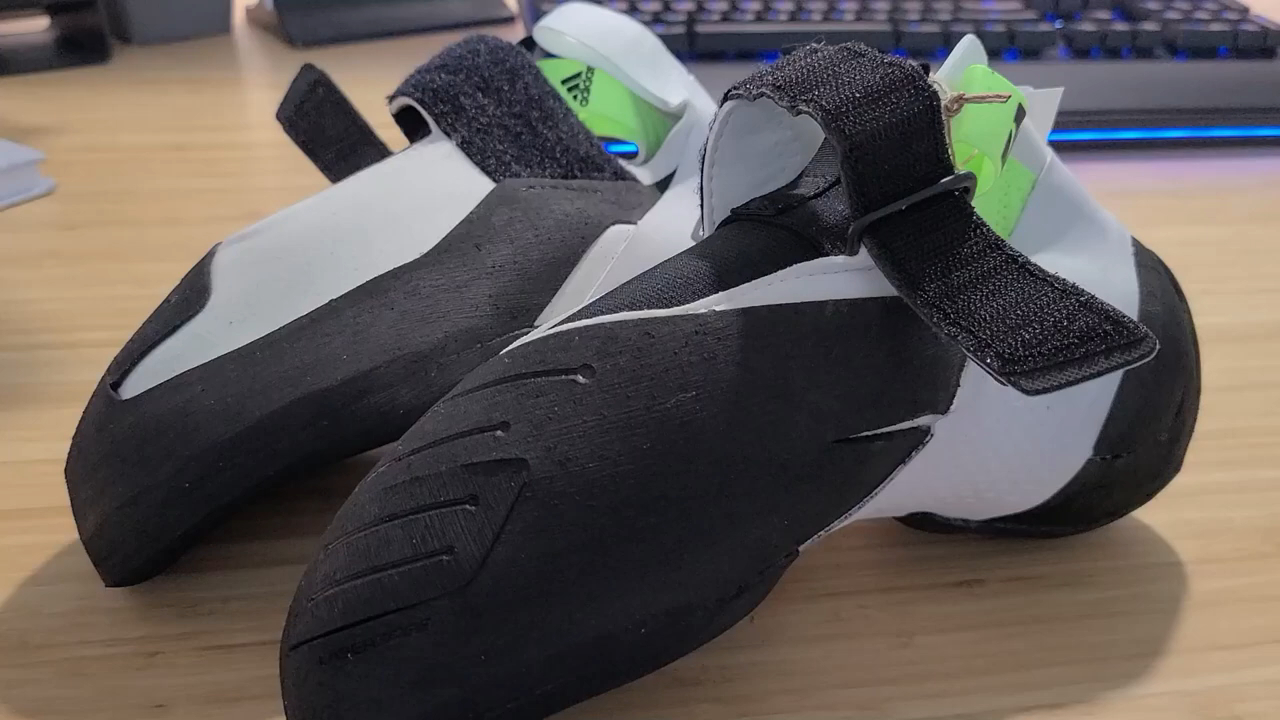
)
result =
(755, 147)
(666, 230)
(304, 256)
(998, 452)
(619, 45)
(627, 50)
(581, 285)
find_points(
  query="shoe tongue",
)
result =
(490, 99)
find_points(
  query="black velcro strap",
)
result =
(324, 124)
(1029, 328)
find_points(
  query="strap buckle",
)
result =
(965, 181)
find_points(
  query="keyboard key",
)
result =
(842, 15)
(650, 6)
(1273, 30)
(991, 5)
(1204, 37)
(1006, 15)
(644, 17)
(810, 16)
(922, 38)
(995, 36)
(721, 6)
(1250, 36)
(1117, 35)
(675, 37)
(684, 6)
(1098, 16)
(783, 5)
(959, 29)
(709, 16)
(752, 37)
(778, 16)
(1034, 37)
(743, 16)
(1146, 9)
(1148, 35)
(674, 17)
(1205, 15)
(907, 16)
(874, 16)
(1083, 35)
(750, 5)
(818, 6)
(619, 5)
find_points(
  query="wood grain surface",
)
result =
(1171, 615)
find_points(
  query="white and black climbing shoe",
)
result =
(328, 329)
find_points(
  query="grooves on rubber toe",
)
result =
(1144, 439)
(589, 506)
(149, 474)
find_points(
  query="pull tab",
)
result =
(1032, 330)
(620, 46)
(326, 127)
(982, 139)
(660, 91)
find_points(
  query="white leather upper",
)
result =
(302, 257)
(996, 451)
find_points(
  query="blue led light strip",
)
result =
(622, 148)
(1241, 132)
(1165, 133)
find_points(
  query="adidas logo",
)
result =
(578, 85)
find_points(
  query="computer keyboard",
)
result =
(1187, 69)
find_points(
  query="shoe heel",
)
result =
(1142, 443)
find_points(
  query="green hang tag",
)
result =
(608, 108)
(982, 138)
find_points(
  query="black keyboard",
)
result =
(1191, 69)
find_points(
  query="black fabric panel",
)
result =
(1145, 438)
(184, 302)
(786, 227)
(735, 254)
(327, 128)
(149, 474)
(670, 468)
(491, 100)
(1029, 328)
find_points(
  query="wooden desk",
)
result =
(1174, 615)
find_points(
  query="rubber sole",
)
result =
(569, 519)
(1143, 442)
(148, 475)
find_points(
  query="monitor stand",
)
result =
(48, 34)
(309, 22)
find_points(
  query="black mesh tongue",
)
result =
(491, 100)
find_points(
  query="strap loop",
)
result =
(324, 124)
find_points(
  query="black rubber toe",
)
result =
(1145, 437)
(149, 474)
(592, 505)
